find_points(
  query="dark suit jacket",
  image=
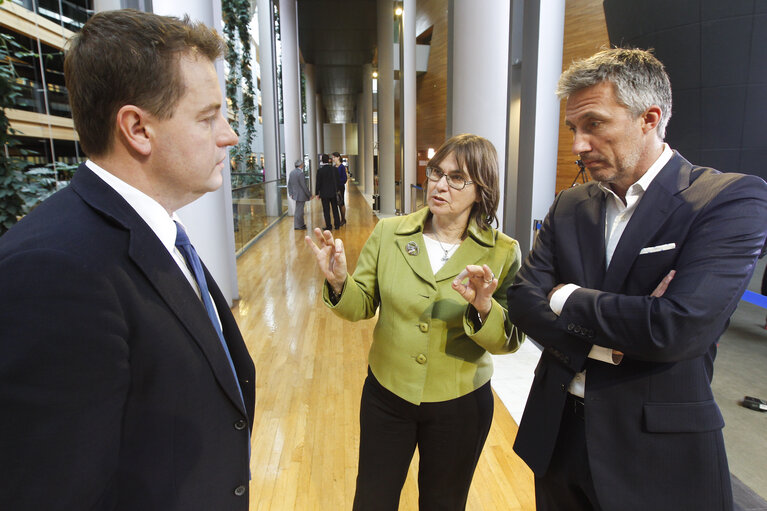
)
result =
(327, 182)
(653, 430)
(115, 391)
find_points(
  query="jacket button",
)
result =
(240, 490)
(421, 358)
(570, 327)
(562, 387)
(424, 327)
(240, 425)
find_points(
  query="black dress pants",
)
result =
(568, 485)
(327, 205)
(449, 435)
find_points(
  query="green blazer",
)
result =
(426, 344)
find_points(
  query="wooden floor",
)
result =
(310, 366)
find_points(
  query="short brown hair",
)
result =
(638, 78)
(478, 156)
(129, 57)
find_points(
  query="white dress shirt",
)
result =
(155, 216)
(617, 216)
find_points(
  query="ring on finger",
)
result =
(492, 276)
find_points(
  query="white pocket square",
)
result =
(657, 248)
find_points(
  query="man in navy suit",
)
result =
(118, 389)
(631, 281)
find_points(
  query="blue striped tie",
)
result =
(193, 261)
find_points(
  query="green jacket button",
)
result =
(421, 358)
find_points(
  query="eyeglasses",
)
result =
(454, 180)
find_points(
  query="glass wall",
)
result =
(257, 202)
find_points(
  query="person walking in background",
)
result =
(437, 279)
(342, 178)
(124, 380)
(299, 192)
(631, 281)
(326, 189)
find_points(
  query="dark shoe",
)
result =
(300, 228)
(327, 228)
(343, 222)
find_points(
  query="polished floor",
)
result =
(310, 368)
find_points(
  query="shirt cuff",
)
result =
(560, 296)
(607, 355)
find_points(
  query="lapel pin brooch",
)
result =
(412, 248)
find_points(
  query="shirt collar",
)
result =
(155, 216)
(643, 182)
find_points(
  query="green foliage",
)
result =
(20, 191)
(236, 14)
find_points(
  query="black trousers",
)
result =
(327, 205)
(449, 435)
(567, 485)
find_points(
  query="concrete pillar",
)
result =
(267, 63)
(367, 108)
(543, 35)
(291, 87)
(359, 170)
(408, 117)
(320, 113)
(209, 220)
(478, 74)
(311, 120)
(106, 5)
(386, 188)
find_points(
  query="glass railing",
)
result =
(255, 208)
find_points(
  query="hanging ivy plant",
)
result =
(236, 14)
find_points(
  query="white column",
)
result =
(209, 220)
(320, 114)
(359, 170)
(543, 34)
(478, 74)
(386, 154)
(408, 77)
(106, 5)
(267, 64)
(291, 84)
(311, 120)
(367, 107)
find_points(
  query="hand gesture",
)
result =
(479, 289)
(663, 285)
(331, 257)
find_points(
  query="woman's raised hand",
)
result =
(479, 288)
(331, 257)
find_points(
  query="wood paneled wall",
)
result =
(585, 34)
(431, 87)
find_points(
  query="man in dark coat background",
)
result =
(124, 381)
(327, 190)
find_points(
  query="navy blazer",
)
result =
(115, 391)
(653, 430)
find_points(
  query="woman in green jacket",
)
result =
(438, 278)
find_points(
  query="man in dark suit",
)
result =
(630, 283)
(124, 381)
(326, 189)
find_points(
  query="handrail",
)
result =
(244, 187)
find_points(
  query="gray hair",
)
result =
(298, 163)
(638, 78)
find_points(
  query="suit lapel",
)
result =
(412, 247)
(473, 249)
(149, 254)
(657, 204)
(590, 236)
